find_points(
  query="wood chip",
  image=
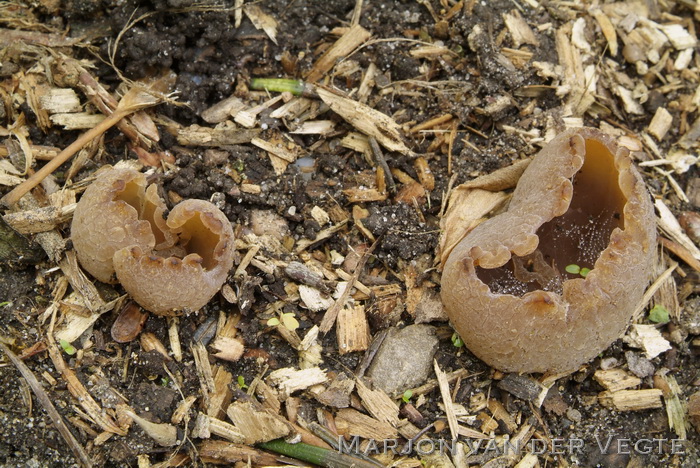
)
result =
(256, 425)
(262, 20)
(353, 330)
(616, 379)
(378, 403)
(289, 380)
(369, 121)
(631, 400)
(660, 124)
(649, 338)
(519, 30)
(446, 400)
(350, 422)
(354, 37)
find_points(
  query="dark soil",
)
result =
(213, 60)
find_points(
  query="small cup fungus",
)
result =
(166, 266)
(548, 284)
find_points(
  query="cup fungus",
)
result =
(548, 284)
(166, 266)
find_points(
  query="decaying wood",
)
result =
(353, 330)
(80, 393)
(350, 422)
(524, 387)
(616, 379)
(221, 451)
(289, 380)
(352, 38)
(446, 399)
(631, 400)
(256, 425)
(45, 401)
(367, 120)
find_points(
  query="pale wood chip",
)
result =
(262, 20)
(60, 100)
(616, 379)
(631, 400)
(350, 422)
(378, 403)
(353, 37)
(77, 120)
(519, 30)
(446, 400)
(256, 425)
(223, 135)
(661, 123)
(353, 330)
(649, 338)
(290, 380)
(367, 120)
(221, 397)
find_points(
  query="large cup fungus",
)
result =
(506, 286)
(166, 266)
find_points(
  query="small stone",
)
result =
(639, 365)
(266, 222)
(405, 358)
(574, 415)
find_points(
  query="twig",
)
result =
(381, 162)
(18, 192)
(332, 312)
(50, 409)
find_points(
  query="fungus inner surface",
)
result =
(575, 238)
(198, 238)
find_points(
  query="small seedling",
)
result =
(68, 348)
(659, 314)
(406, 397)
(164, 381)
(241, 382)
(577, 270)
(279, 85)
(287, 319)
(457, 340)
(3, 304)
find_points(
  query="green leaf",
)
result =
(457, 340)
(289, 322)
(573, 269)
(407, 396)
(659, 314)
(68, 348)
(273, 322)
(584, 272)
(241, 382)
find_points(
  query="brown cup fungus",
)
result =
(516, 289)
(165, 266)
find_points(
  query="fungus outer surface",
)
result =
(165, 266)
(506, 287)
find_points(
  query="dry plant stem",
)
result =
(381, 162)
(18, 192)
(332, 312)
(50, 409)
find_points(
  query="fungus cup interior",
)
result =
(189, 233)
(577, 237)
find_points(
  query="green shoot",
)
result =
(279, 85)
(659, 314)
(457, 340)
(577, 270)
(68, 348)
(406, 397)
(287, 319)
(241, 383)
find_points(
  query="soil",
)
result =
(212, 60)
